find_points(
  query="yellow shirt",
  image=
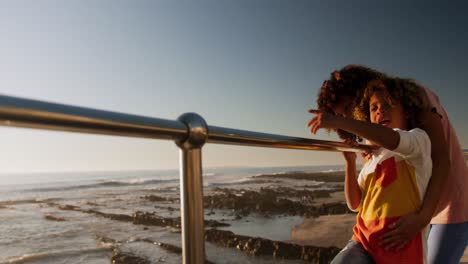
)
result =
(393, 184)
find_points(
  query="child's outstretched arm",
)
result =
(352, 189)
(379, 135)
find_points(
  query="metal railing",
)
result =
(190, 132)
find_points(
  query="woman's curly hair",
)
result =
(404, 91)
(348, 82)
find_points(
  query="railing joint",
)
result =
(197, 131)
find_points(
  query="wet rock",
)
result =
(208, 214)
(119, 257)
(168, 247)
(117, 217)
(120, 217)
(287, 251)
(69, 207)
(141, 218)
(214, 223)
(260, 246)
(272, 202)
(106, 240)
(54, 218)
(168, 208)
(156, 198)
(146, 218)
(259, 181)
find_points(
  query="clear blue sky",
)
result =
(254, 65)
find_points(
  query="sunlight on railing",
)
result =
(190, 132)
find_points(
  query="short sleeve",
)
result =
(413, 143)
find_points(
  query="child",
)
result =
(393, 181)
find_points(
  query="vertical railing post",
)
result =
(191, 189)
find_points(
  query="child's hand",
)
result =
(321, 120)
(349, 156)
(366, 155)
(351, 142)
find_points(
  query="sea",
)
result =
(33, 230)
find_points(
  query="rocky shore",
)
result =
(274, 201)
(270, 197)
(258, 246)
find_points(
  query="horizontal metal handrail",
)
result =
(189, 132)
(28, 113)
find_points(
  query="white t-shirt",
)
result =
(415, 148)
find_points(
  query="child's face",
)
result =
(381, 112)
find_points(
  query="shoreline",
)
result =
(292, 217)
(261, 197)
(254, 217)
(288, 217)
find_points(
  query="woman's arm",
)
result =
(440, 164)
(408, 226)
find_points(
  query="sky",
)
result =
(251, 65)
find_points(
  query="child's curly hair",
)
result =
(350, 82)
(404, 91)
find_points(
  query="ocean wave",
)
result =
(107, 183)
(333, 170)
(272, 173)
(54, 254)
(27, 201)
(291, 172)
(219, 184)
(210, 174)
